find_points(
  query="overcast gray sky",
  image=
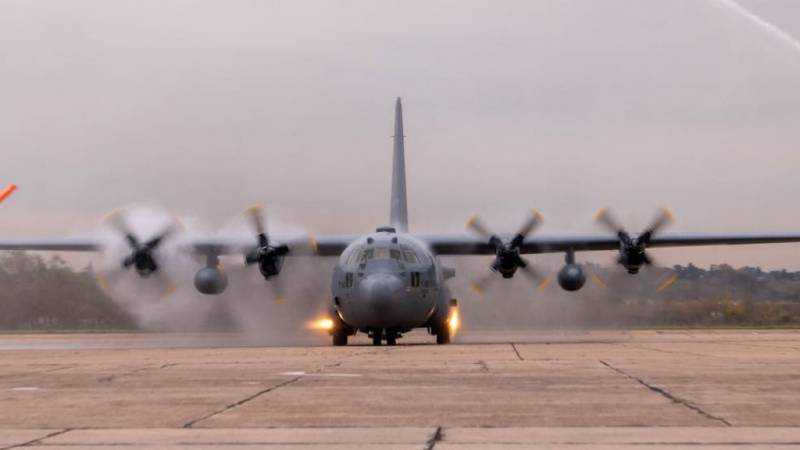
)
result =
(566, 106)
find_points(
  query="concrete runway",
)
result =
(514, 390)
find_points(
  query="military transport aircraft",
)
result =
(392, 281)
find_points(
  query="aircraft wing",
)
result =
(54, 245)
(455, 244)
(324, 245)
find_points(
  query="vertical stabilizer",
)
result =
(399, 212)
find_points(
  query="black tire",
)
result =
(443, 336)
(339, 339)
(376, 338)
(391, 338)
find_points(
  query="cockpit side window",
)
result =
(354, 255)
(409, 255)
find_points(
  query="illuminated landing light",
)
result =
(324, 324)
(453, 320)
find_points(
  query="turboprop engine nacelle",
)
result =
(210, 281)
(571, 277)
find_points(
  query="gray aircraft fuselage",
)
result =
(389, 281)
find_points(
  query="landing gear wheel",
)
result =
(376, 338)
(339, 339)
(443, 335)
(391, 338)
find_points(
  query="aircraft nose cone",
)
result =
(382, 292)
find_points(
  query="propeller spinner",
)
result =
(142, 254)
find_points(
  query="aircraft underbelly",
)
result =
(402, 312)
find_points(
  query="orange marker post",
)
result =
(5, 193)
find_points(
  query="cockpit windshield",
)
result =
(362, 255)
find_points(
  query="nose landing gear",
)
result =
(379, 335)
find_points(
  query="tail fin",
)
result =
(399, 211)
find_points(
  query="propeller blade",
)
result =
(256, 215)
(278, 289)
(117, 220)
(533, 221)
(482, 284)
(606, 219)
(251, 257)
(163, 284)
(534, 275)
(128, 261)
(670, 281)
(647, 259)
(304, 246)
(168, 231)
(476, 224)
(599, 281)
(544, 284)
(663, 218)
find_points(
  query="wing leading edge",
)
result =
(325, 245)
(456, 244)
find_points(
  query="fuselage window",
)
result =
(395, 254)
(414, 279)
(348, 280)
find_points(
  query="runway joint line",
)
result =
(664, 393)
(514, 346)
(241, 402)
(38, 440)
(437, 437)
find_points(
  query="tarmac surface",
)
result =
(507, 390)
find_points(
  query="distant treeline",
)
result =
(718, 296)
(48, 294)
(38, 293)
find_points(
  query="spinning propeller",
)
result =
(507, 253)
(633, 250)
(268, 257)
(142, 254)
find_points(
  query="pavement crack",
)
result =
(437, 437)
(110, 378)
(514, 346)
(38, 440)
(482, 365)
(659, 350)
(241, 402)
(666, 394)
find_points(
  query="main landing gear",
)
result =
(340, 332)
(443, 335)
(444, 326)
